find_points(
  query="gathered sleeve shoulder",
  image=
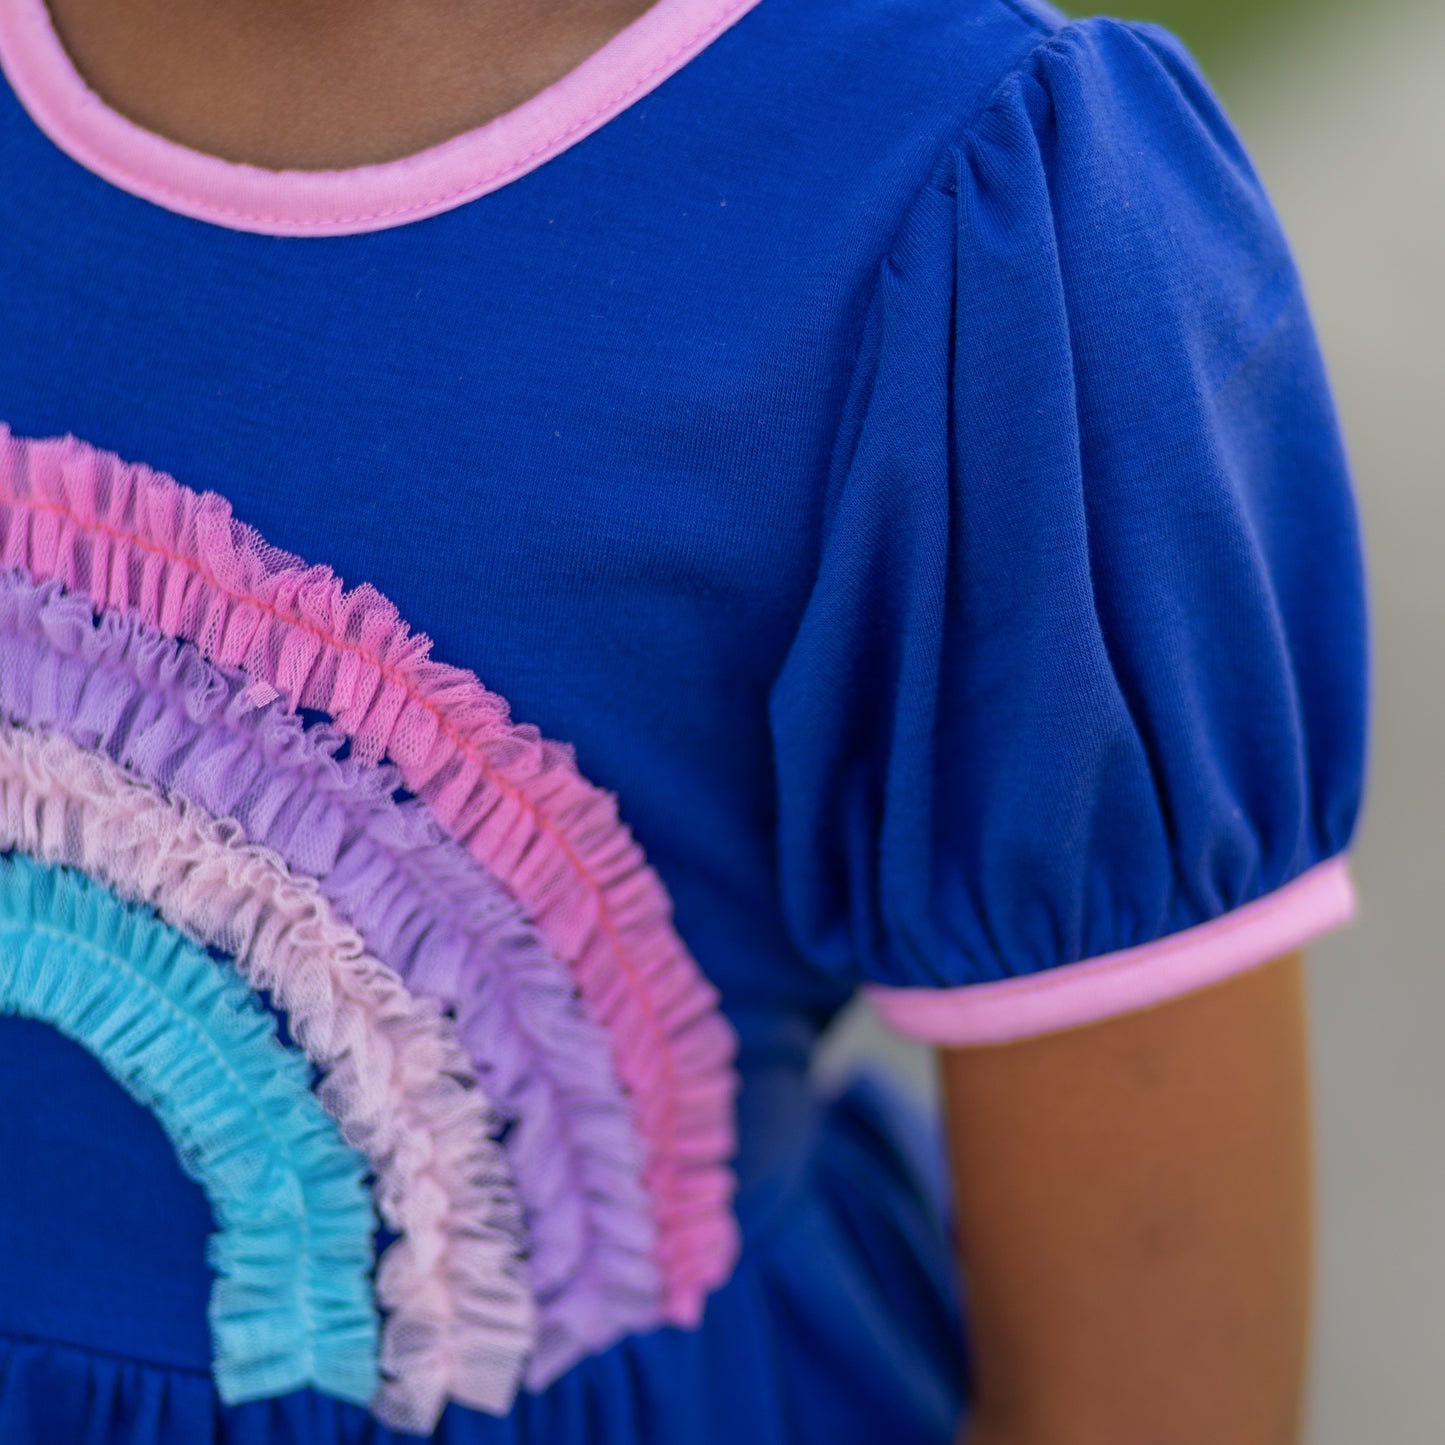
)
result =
(1074, 720)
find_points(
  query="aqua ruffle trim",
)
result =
(292, 1303)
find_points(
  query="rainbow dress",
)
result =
(498, 648)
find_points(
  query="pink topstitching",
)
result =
(662, 1077)
(543, 823)
(56, 70)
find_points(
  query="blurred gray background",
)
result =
(1343, 107)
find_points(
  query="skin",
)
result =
(1133, 1198)
(1133, 1206)
(322, 84)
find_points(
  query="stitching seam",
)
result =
(1246, 915)
(471, 188)
(392, 675)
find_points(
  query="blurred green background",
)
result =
(1215, 30)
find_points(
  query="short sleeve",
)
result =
(1074, 720)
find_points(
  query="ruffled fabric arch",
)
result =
(420, 903)
(291, 1304)
(460, 1318)
(139, 542)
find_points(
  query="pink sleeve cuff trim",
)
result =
(1313, 904)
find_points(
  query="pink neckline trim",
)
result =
(365, 198)
(1133, 978)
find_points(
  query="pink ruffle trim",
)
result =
(461, 1319)
(1321, 899)
(422, 905)
(138, 541)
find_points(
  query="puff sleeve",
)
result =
(1074, 720)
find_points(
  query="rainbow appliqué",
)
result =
(503, 1052)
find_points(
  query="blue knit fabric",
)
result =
(895, 453)
(1083, 661)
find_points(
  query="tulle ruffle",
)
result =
(139, 542)
(839, 1327)
(461, 1320)
(421, 904)
(291, 1303)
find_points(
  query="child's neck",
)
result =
(322, 84)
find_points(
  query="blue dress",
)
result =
(869, 482)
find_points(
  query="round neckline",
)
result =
(376, 197)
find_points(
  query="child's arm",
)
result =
(1134, 1220)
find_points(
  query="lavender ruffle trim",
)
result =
(461, 1322)
(421, 903)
